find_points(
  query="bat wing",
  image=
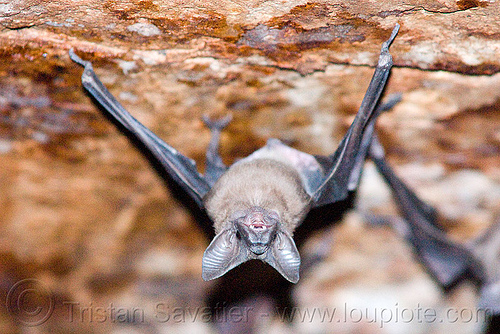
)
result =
(344, 166)
(487, 249)
(489, 298)
(447, 261)
(182, 169)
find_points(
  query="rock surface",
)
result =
(84, 215)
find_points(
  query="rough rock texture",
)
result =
(84, 214)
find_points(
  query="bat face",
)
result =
(256, 234)
(237, 245)
(255, 207)
(257, 227)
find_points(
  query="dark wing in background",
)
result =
(344, 166)
(487, 250)
(182, 169)
(447, 261)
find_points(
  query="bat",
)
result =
(256, 203)
(448, 262)
(486, 248)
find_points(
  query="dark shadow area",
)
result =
(493, 326)
(322, 217)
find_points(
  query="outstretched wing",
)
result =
(345, 164)
(447, 261)
(486, 248)
(180, 168)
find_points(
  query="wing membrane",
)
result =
(340, 178)
(182, 169)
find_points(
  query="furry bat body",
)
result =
(257, 203)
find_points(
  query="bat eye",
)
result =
(273, 215)
(238, 215)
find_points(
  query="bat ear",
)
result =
(223, 254)
(284, 257)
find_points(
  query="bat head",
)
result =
(255, 233)
(257, 228)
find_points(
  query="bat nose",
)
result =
(257, 222)
(258, 225)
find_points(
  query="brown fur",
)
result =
(267, 183)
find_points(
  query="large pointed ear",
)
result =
(223, 254)
(284, 257)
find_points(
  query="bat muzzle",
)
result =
(257, 231)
